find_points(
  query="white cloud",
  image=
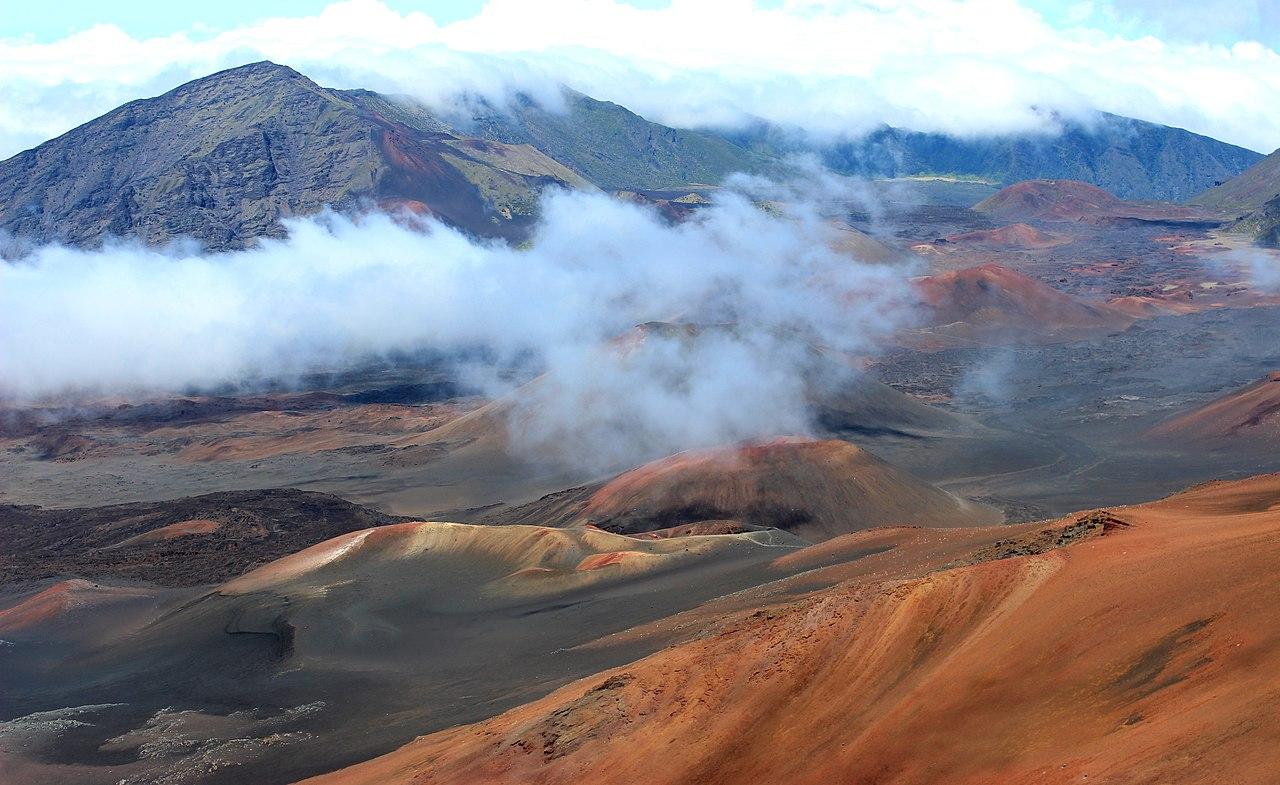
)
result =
(128, 319)
(965, 67)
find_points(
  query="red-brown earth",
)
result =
(1248, 417)
(1017, 237)
(815, 489)
(1141, 651)
(991, 304)
(1071, 201)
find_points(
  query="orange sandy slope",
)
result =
(1250, 414)
(1146, 655)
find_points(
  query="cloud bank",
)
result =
(764, 287)
(971, 67)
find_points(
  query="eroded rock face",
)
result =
(224, 158)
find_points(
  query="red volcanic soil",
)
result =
(1247, 415)
(598, 561)
(1019, 236)
(1141, 306)
(62, 599)
(180, 529)
(815, 489)
(1071, 201)
(991, 299)
(1145, 653)
(419, 179)
(1052, 200)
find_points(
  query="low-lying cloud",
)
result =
(1261, 266)
(763, 287)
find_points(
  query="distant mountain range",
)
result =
(1130, 158)
(617, 149)
(225, 158)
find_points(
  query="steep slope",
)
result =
(612, 146)
(1248, 417)
(224, 158)
(1253, 197)
(1116, 659)
(1248, 190)
(1131, 158)
(351, 648)
(815, 489)
(1263, 224)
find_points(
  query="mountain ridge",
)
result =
(1134, 159)
(226, 158)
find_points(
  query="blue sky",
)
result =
(1212, 21)
(48, 21)
(1206, 21)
